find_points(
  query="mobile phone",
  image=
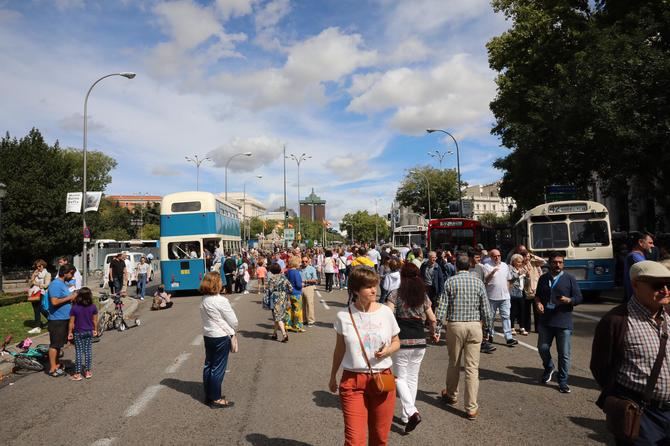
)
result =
(381, 348)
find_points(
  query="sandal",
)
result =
(274, 336)
(76, 377)
(88, 375)
(285, 340)
(217, 405)
(57, 373)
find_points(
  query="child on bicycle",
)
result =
(82, 328)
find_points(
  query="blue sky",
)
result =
(352, 83)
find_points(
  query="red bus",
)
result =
(458, 234)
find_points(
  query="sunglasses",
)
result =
(659, 286)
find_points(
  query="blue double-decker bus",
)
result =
(192, 222)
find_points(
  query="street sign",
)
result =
(468, 208)
(289, 235)
(560, 192)
(453, 207)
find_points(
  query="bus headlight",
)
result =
(599, 270)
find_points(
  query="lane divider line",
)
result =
(325, 305)
(318, 294)
(104, 441)
(143, 400)
(238, 298)
(197, 341)
(586, 316)
(520, 342)
(172, 368)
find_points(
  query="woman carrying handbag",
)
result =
(367, 336)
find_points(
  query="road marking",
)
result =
(586, 316)
(325, 305)
(172, 368)
(238, 298)
(319, 294)
(197, 341)
(104, 441)
(520, 343)
(143, 400)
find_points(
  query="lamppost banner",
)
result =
(92, 201)
(73, 202)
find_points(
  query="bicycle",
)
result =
(109, 320)
(28, 358)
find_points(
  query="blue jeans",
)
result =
(545, 338)
(141, 285)
(504, 307)
(216, 360)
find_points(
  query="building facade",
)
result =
(278, 214)
(313, 208)
(486, 199)
(130, 202)
(249, 206)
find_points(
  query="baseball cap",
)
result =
(649, 271)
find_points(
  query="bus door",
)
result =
(185, 267)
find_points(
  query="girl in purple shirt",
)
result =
(82, 328)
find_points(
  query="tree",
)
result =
(151, 232)
(494, 220)
(98, 168)
(364, 226)
(413, 190)
(110, 222)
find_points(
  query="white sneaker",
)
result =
(246, 292)
(35, 330)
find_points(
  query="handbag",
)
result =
(381, 383)
(234, 346)
(623, 414)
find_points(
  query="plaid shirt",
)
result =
(643, 338)
(464, 300)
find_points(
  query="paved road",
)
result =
(146, 389)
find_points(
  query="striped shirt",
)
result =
(464, 300)
(641, 344)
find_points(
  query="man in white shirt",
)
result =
(497, 290)
(374, 255)
(403, 250)
(77, 279)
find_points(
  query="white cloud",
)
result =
(234, 8)
(266, 20)
(75, 123)
(163, 170)
(409, 51)
(457, 92)
(264, 151)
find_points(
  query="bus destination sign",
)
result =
(567, 208)
(451, 224)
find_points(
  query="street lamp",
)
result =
(226, 172)
(458, 167)
(440, 155)
(376, 200)
(430, 215)
(298, 160)
(84, 262)
(197, 161)
(244, 208)
(3, 194)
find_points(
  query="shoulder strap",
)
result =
(656, 371)
(367, 361)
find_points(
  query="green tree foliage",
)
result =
(98, 169)
(151, 232)
(364, 226)
(110, 222)
(582, 90)
(494, 220)
(413, 190)
(38, 177)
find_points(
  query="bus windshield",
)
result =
(589, 233)
(448, 238)
(549, 236)
(409, 239)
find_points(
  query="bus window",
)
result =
(186, 206)
(589, 233)
(550, 236)
(449, 239)
(183, 250)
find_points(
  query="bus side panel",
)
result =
(592, 275)
(183, 274)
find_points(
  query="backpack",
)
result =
(44, 302)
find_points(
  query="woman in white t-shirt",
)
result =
(367, 414)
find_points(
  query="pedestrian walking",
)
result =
(117, 273)
(367, 336)
(39, 282)
(497, 289)
(261, 275)
(279, 301)
(628, 358)
(329, 269)
(517, 280)
(60, 304)
(477, 270)
(532, 265)
(392, 279)
(557, 294)
(229, 268)
(143, 274)
(412, 308)
(81, 330)
(465, 306)
(219, 324)
(433, 278)
(642, 246)
(309, 279)
(341, 265)
(293, 275)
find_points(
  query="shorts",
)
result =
(58, 333)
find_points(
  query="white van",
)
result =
(132, 259)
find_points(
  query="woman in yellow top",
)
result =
(362, 259)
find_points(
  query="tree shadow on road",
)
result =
(326, 399)
(191, 388)
(264, 440)
(598, 427)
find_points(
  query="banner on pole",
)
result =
(73, 202)
(92, 201)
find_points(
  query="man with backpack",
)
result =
(59, 305)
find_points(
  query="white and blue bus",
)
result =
(190, 223)
(578, 229)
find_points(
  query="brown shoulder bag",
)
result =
(381, 383)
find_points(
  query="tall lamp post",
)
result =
(298, 160)
(430, 215)
(84, 260)
(3, 194)
(440, 155)
(376, 200)
(226, 171)
(458, 167)
(197, 161)
(244, 209)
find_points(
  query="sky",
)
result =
(351, 83)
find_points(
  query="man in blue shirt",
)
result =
(557, 293)
(643, 245)
(309, 280)
(60, 303)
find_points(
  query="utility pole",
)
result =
(285, 208)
